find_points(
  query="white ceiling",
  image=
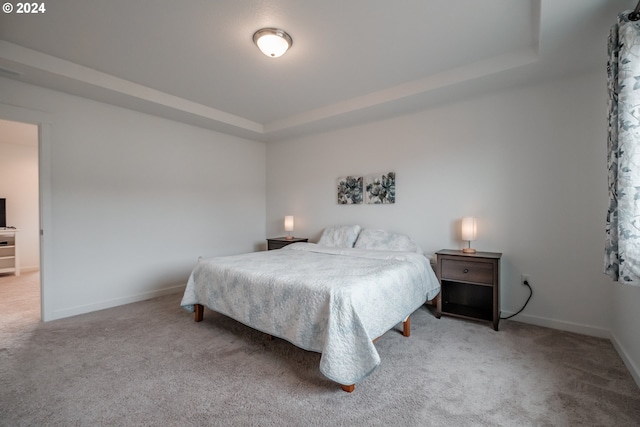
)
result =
(351, 60)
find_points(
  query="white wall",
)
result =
(530, 164)
(136, 199)
(19, 185)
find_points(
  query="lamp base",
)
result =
(289, 237)
(468, 251)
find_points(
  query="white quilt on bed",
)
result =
(330, 300)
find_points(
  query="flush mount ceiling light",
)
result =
(272, 41)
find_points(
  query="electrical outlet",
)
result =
(525, 278)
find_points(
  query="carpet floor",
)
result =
(150, 364)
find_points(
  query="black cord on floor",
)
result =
(526, 283)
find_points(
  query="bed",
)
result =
(334, 297)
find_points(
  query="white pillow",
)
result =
(381, 240)
(339, 236)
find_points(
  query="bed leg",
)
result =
(199, 312)
(406, 327)
(348, 388)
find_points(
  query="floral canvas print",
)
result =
(380, 189)
(350, 190)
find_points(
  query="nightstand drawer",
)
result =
(276, 245)
(468, 271)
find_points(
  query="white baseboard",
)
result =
(561, 325)
(631, 366)
(82, 309)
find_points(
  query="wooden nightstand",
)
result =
(280, 242)
(470, 285)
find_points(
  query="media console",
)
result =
(9, 259)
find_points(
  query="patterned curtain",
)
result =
(622, 251)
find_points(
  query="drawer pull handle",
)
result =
(466, 270)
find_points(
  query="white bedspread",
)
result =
(329, 300)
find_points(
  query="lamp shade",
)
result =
(288, 223)
(469, 228)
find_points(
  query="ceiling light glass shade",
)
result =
(272, 41)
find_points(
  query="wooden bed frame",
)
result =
(406, 331)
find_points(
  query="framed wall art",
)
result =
(350, 190)
(380, 189)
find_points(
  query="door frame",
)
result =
(44, 122)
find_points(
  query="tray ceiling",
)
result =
(351, 61)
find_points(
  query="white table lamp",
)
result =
(469, 233)
(288, 226)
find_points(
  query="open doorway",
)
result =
(21, 298)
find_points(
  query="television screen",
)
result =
(3, 213)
